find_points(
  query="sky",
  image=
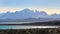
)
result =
(49, 6)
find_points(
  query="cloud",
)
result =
(49, 11)
(3, 10)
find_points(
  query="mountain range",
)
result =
(27, 15)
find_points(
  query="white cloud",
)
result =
(3, 10)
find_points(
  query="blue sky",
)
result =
(46, 5)
(31, 3)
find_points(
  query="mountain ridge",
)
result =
(27, 13)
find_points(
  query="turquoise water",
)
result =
(13, 27)
(22, 27)
(26, 27)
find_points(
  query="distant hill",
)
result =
(44, 23)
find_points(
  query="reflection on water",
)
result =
(26, 27)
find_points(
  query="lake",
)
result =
(25, 27)
(22, 26)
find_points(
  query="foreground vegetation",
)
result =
(31, 31)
